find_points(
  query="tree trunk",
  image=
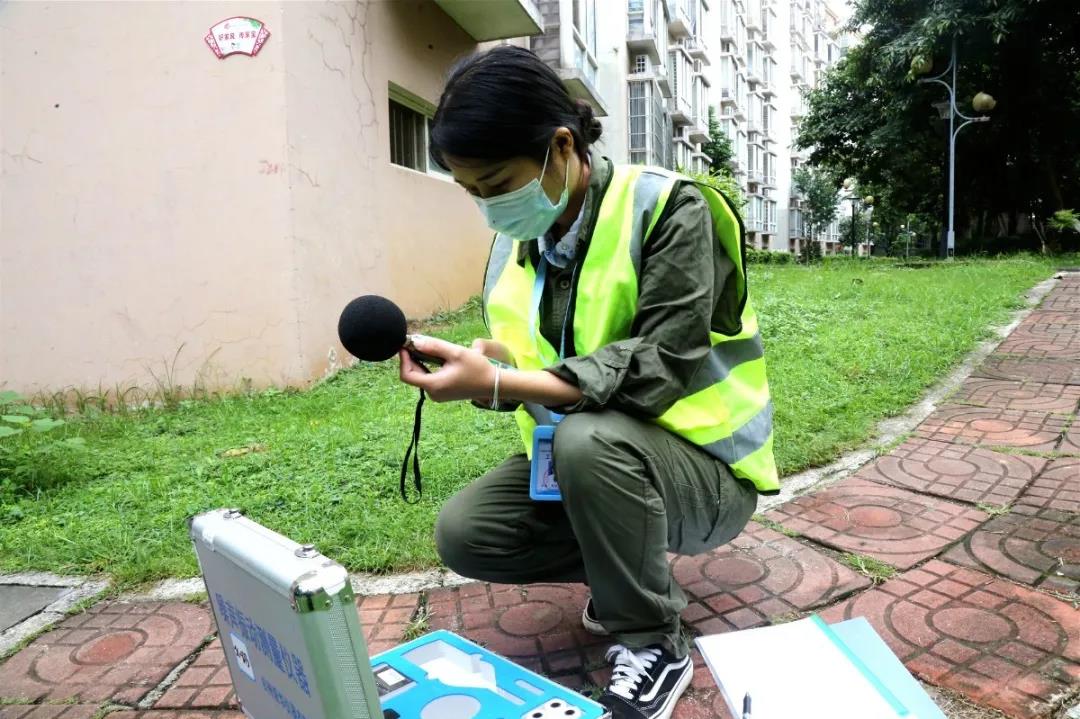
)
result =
(1052, 185)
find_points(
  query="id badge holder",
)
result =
(543, 486)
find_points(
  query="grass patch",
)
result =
(774, 526)
(848, 343)
(994, 510)
(418, 626)
(876, 570)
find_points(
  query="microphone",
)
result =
(373, 328)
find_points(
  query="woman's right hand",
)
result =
(494, 350)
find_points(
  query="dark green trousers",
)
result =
(631, 492)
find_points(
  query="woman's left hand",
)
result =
(465, 374)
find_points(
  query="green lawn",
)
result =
(847, 344)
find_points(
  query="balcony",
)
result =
(681, 112)
(754, 176)
(798, 111)
(678, 21)
(495, 19)
(655, 73)
(727, 32)
(644, 42)
(697, 49)
(797, 74)
(698, 131)
(580, 80)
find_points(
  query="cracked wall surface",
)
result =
(160, 203)
(359, 224)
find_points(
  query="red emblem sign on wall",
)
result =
(237, 35)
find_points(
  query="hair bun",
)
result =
(591, 129)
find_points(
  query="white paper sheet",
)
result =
(792, 671)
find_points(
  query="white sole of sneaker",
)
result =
(668, 707)
(592, 626)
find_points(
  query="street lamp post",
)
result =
(854, 199)
(982, 103)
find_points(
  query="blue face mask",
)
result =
(526, 213)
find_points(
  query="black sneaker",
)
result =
(645, 683)
(590, 622)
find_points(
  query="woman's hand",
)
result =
(465, 374)
(495, 350)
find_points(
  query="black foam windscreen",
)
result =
(372, 328)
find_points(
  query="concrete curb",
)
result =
(80, 589)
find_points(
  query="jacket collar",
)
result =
(599, 180)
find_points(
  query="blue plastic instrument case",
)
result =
(442, 675)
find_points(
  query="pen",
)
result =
(746, 706)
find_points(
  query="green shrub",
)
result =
(769, 257)
(27, 462)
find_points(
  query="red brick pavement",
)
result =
(1000, 644)
(1070, 444)
(955, 471)
(890, 524)
(385, 617)
(1058, 487)
(760, 576)
(994, 427)
(1041, 346)
(1008, 367)
(115, 651)
(183, 714)
(49, 711)
(204, 684)
(1040, 547)
(1025, 396)
(539, 626)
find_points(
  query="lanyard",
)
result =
(538, 296)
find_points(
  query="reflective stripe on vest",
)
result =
(726, 408)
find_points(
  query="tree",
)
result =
(870, 119)
(718, 148)
(724, 182)
(819, 199)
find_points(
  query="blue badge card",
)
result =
(542, 484)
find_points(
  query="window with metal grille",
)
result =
(635, 11)
(408, 137)
(638, 116)
(410, 130)
(641, 63)
(661, 140)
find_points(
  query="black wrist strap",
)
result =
(414, 450)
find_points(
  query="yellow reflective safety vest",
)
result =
(726, 410)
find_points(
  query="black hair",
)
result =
(506, 103)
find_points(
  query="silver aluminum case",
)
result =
(268, 584)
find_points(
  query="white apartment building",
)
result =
(642, 65)
(771, 53)
(653, 68)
